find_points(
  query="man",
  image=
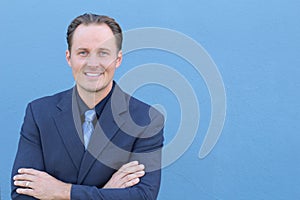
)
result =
(89, 142)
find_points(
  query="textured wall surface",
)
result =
(255, 45)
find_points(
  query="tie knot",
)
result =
(90, 115)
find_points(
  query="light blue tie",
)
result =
(88, 127)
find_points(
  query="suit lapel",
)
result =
(69, 126)
(105, 130)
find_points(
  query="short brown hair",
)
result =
(89, 18)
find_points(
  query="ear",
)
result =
(68, 57)
(119, 59)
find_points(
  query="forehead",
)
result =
(93, 35)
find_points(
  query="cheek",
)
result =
(75, 71)
(76, 66)
(110, 73)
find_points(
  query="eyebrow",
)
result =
(102, 49)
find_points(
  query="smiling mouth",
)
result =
(93, 74)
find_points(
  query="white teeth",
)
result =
(93, 75)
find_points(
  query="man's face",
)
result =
(93, 58)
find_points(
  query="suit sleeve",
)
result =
(147, 150)
(29, 153)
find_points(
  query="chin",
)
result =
(97, 89)
(94, 88)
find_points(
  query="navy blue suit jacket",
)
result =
(128, 129)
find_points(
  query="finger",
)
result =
(25, 191)
(124, 168)
(123, 178)
(29, 171)
(24, 177)
(134, 175)
(129, 168)
(25, 184)
(139, 174)
(131, 183)
(130, 164)
(130, 177)
(132, 169)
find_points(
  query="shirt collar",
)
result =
(98, 108)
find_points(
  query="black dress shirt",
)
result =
(98, 108)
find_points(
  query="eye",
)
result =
(82, 53)
(103, 53)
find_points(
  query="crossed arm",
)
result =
(41, 185)
(36, 183)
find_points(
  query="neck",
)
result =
(92, 98)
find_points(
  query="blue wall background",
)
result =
(255, 45)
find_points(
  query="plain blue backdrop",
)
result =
(256, 46)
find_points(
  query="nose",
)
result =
(93, 61)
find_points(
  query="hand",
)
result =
(41, 185)
(128, 175)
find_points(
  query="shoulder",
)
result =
(141, 112)
(144, 113)
(47, 102)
